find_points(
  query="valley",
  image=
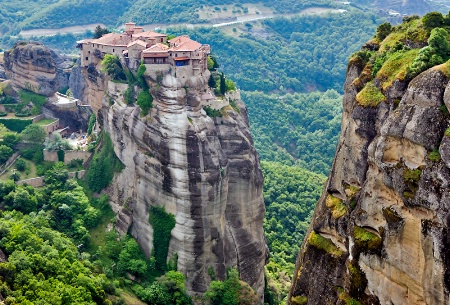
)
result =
(290, 69)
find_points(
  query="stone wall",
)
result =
(39, 181)
(69, 155)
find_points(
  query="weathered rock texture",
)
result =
(392, 244)
(204, 171)
(33, 66)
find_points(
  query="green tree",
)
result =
(5, 153)
(433, 20)
(11, 139)
(212, 82)
(438, 41)
(384, 30)
(33, 134)
(145, 101)
(21, 164)
(223, 85)
(99, 32)
(210, 63)
(111, 65)
(92, 120)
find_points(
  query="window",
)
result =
(113, 50)
(87, 58)
(162, 39)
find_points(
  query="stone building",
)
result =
(181, 55)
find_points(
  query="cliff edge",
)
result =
(380, 233)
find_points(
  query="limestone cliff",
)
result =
(203, 170)
(380, 233)
(33, 66)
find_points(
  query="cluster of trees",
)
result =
(298, 128)
(303, 53)
(290, 195)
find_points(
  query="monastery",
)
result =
(181, 56)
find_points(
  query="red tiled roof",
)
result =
(149, 34)
(113, 39)
(180, 58)
(157, 50)
(139, 42)
(184, 43)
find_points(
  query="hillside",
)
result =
(385, 204)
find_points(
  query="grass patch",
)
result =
(411, 175)
(97, 235)
(318, 241)
(395, 67)
(343, 296)
(337, 206)
(447, 132)
(434, 156)
(45, 122)
(370, 96)
(299, 300)
(30, 97)
(366, 240)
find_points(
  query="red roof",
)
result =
(180, 58)
(113, 39)
(184, 43)
(149, 34)
(138, 42)
(157, 50)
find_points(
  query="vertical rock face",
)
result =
(203, 170)
(33, 66)
(380, 232)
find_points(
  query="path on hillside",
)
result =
(240, 19)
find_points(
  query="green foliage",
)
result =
(37, 100)
(162, 224)
(366, 240)
(5, 153)
(222, 84)
(232, 291)
(56, 143)
(103, 166)
(42, 264)
(11, 139)
(370, 96)
(112, 66)
(210, 63)
(99, 32)
(433, 20)
(145, 101)
(318, 241)
(212, 82)
(17, 125)
(337, 206)
(212, 112)
(20, 164)
(129, 95)
(383, 31)
(33, 134)
(302, 129)
(434, 156)
(61, 155)
(412, 175)
(92, 120)
(438, 41)
(299, 300)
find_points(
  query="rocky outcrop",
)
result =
(33, 66)
(203, 170)
(380, 233)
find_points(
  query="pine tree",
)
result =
(223, 86)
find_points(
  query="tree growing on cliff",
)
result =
(223, 85)
(111, 65)
(99, 32)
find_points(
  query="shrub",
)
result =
(111, 65)
(75, 163)
(433, 20)
(212, 112)
(162, 223)
(92, 120)
(318, 241)
(103, 166)
(337, 206)
(21, 164)
(434, 156)
(145, 101)
(16, 125)
(370, 96)
(5, 153)
(383, 31)
(3, 113)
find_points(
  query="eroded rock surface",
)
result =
(33, 66)
(203, 170)
(393, 189)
